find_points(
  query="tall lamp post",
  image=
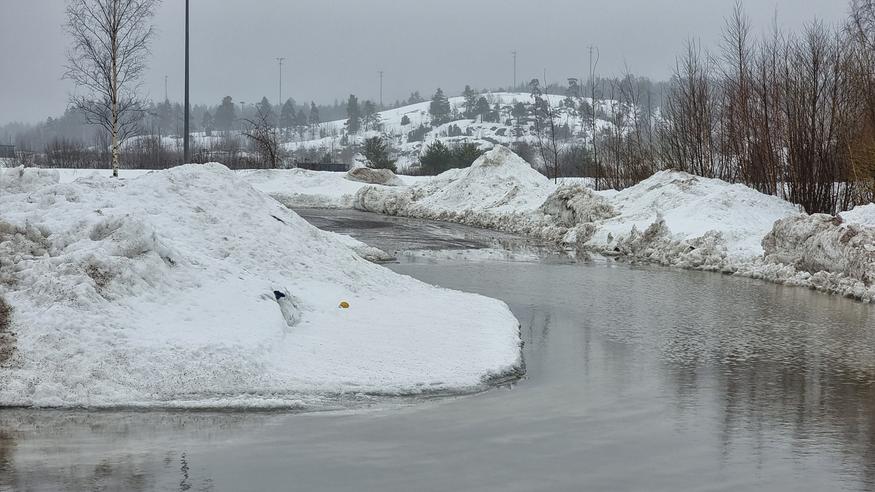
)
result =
(186, 138)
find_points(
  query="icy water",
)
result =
(638, 378)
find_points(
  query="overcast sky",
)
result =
(336, 47)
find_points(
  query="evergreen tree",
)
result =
(405, 120)
(436, 158)
(314, 120)
(439, 108)
(265, 109)
(353, 113)
(470, 102)
(207, 123)
(287, 115)
(415, 98)
(369, 111)
(377, 152)
(314, 114)
(301, 122)
(482, 109)
(465, 155)
(226, 113)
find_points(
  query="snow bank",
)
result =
(300, 188)
(821, 252)
(691, 207)
(374, 176)
(303, 188)
(499, 191)
(190, 288)
(672, 218)
(863, 215)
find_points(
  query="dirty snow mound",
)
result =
(821, 252)
(190, 288)
(374, 176)
(575, 204)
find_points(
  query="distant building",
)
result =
(7, 152)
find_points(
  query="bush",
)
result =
(436, 158)
(439, 158)
(405, 120)
(418, 134)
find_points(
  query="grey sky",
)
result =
(335, 47)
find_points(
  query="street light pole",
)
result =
(280, 60)
(186, 144)
(381, 89)
(514, 71)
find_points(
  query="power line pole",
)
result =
(186, 147)
(381, 89)
(514, 72)
(280, 60)
(595, 153)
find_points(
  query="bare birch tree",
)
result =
(263, 133)
(107, 57)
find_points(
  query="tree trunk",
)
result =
(115, 108)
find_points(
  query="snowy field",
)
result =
(191, 288)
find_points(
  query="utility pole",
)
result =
(186, 144)
(595, 154)
(280, 60)
(381, 89)
(514, 72)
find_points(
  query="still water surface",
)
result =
(638, 378)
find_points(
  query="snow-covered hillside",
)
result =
(484, 134)
(190, 288)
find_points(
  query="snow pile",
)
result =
(301, 188)
(862, 215)
(19, 179)
(822, 252)
(374, 176)
(575, 204)
(683, 208)
(499, 191)
(190, 288)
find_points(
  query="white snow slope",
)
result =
(190, 288)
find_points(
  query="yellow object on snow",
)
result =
(344, 305)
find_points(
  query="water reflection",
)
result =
(130, 451)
